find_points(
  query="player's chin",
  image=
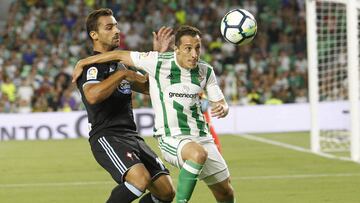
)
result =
(192, 65)
(115, 45)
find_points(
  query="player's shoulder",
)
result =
(91, 72)
(98, 67)
(166, 55)
(204, 65)
(91, 69)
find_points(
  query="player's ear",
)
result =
(93, 35)
(176, 49)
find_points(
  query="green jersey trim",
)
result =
(208, 74)
(166, 55)
(157, 76)
(195, 76)
(199, 123)
(182, 118)
(175, 73)
(168, 148)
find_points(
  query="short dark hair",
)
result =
(185, 30)
(92, 19)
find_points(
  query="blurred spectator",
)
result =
(25, 93)
(42, 41)
(8, 89)
(274, 100)
(68, 102)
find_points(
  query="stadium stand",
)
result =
(42, 40)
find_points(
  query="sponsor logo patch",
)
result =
(91, 73)
(124, 87)
(143, 55)
(185, 94)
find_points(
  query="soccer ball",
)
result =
(238, 26)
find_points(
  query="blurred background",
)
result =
(41, 40)
(266, 137)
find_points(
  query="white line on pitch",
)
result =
(289, 146)
(87, 183)
(16, 185)
(297, 176)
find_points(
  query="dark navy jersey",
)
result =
(114, 115)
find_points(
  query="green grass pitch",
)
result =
(64, 171)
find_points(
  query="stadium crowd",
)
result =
(42, 41)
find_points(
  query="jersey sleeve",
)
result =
(91, 74)
(213, 90)
(145, 60)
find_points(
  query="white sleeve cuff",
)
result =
(214, 93)
(135, 56)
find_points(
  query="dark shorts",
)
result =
(118, 154)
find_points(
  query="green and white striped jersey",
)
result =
(175, 91)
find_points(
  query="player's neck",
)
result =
(102, 49)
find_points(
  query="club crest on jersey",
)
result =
(128, 154)
(124, 87)
(143, 55)
(201, 78)
(91, 73)
(131, 155)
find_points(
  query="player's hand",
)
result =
(133, 76)
(77, 71)
(219, 110)
(204, 104)
(163, 39)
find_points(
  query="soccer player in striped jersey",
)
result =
(176, 80)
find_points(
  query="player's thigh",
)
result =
(115, 156)
(171, 148)
(138, 176)
(162, 188)
(215, 169)
(152, 161)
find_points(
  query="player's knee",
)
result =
(139, 178)
(194, 152)
(226, 194)
(168, 193)
(199, 156)
(143, 180)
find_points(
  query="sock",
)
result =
(125, 193)
(150, 198)
(187, 181)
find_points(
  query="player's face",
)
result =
(108, 32)
(188, 52)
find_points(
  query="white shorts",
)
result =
(215, 169)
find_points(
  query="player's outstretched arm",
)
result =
(219, 109)
(96, 93)
(141, 87)
(117, 55)
(162, 41)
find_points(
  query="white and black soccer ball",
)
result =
(238, 26)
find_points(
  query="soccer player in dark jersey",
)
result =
(106, 92)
